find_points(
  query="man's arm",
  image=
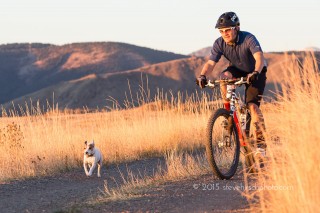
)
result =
(208, 67)
(258, 56)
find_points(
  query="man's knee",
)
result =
(225, 75)
(253, 107)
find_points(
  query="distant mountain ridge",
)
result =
(313, 49)
(94, 90)
(27, 68)
(204, 52)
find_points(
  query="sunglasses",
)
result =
(226, 30)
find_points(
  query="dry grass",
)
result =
(179, 165)
(291, 182)
(45, 143)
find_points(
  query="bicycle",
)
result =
(228, 133)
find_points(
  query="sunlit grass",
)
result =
(53, 141)
(292, 176)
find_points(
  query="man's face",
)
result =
(228, 34)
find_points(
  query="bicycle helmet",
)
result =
(228, 19)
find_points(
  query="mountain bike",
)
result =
(228, 133)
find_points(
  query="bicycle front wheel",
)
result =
(223, 146)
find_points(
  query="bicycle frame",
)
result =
(235, 103)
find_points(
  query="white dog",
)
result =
(92, 157)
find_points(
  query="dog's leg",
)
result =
(85, 166)
(92, 168)
(99, 169)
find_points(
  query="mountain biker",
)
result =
(246, 59)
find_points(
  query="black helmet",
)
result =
(228, 19)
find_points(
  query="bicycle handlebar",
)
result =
(236, 81)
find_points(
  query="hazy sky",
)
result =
(180, 26)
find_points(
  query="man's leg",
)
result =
(229, 73)
(253, 98)
(257, 125)
(226, 102)
(223, 89)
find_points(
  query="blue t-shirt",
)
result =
(240, 55)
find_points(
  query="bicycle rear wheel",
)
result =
(223, 146)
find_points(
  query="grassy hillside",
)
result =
(26, 68)
(94, 91)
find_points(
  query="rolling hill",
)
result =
(27, 68)
(91, 74)
(93, 90)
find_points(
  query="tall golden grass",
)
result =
(39, 143)
(291, 182)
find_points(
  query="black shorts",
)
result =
(254, 91)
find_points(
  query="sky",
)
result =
(180, 26)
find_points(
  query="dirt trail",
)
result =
(196, 195)
(68, 191)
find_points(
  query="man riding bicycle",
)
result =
(246, 59)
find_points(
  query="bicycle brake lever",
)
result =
(241, 81)
(210, 84)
